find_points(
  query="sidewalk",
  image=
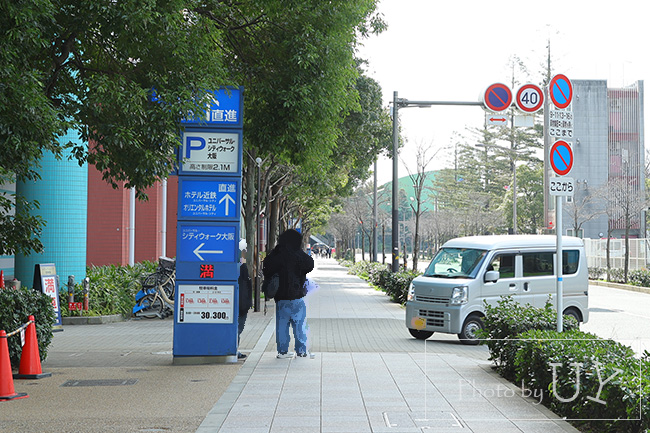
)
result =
(369, 375)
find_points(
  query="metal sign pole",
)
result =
(560, 288)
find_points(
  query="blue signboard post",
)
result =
(208, 232)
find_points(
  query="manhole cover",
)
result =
(101, 382)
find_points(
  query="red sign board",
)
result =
(497, 97)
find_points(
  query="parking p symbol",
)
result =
(200, 144)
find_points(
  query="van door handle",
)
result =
(526, 288)
(513, 286)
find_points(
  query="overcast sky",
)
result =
(453, 50)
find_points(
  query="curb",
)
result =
(91, 320)
(620, 286)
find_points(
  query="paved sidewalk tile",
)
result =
(370, 375)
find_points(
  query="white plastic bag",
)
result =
(310, 285)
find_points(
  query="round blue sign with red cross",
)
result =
(561, 157)
(560, 91)
(497, 97)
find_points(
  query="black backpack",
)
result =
(270, 286)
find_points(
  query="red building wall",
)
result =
(108, 222)
(108, 219)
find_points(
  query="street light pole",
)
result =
(397, 104)
(258, 273)
(395, 210)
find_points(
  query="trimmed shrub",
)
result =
(504, 322)
(578, 375)
(596, 273)
(395, 284)
(584, 377)
(15, 308)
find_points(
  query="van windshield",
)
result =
(455, 263)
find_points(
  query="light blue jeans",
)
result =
(291, 313)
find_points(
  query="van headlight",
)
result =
(411, 293)
(459, 295)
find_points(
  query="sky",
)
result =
(438, 50)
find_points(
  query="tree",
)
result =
(625, 203)
(299, 73)
(122, 74)
(582, 208)
(419, 179)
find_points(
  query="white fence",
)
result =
(596, 250)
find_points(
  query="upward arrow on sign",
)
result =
(227, 199)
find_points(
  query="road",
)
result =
(621, 315)
(618, 314)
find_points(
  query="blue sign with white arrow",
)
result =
(209, 198)
(207, 243)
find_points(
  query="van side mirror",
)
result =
(492, 276)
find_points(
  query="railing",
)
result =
(596, 251)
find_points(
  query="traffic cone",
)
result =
(30, 359)
(6, 380)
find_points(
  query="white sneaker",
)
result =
(287, 355)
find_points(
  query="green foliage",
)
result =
(505, 321)
(523, 342)
(112, 289)
(395, 284)
(596, 273)
(15, 308)
(625, 397)
(636, 277)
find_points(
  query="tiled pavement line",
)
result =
(222, 407)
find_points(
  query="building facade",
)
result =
(609, 163)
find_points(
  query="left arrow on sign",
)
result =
(197, 251)
(228, 199)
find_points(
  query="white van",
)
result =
(449, 296)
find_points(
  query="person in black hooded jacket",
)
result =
(292, 265)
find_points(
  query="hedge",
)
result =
(15, 308)
(395, 284)
(505, 321)
(578, 375)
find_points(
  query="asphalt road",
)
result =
(621, 315)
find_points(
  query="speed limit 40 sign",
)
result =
(530, 98)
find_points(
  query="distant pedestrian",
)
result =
(245, 294)
(292, 264)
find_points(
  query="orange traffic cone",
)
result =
(6, 381)
(30, 359)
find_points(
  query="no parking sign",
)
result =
(561, 158)
(560, 90)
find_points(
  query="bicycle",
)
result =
(156, 298)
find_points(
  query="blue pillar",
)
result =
(62, 193)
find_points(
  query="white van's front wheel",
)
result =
(469, 332)
(420, 335)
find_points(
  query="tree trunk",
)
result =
(274, 219)
(626, 264)
(609, 237)
(383, 244)
(416, 242)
